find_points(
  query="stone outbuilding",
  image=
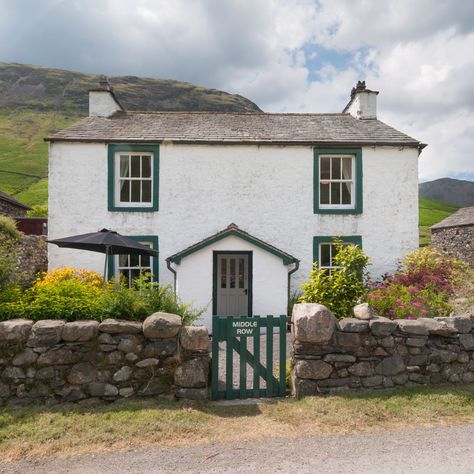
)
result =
(10, 207)
(455, 235)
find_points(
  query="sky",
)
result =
(285, 55)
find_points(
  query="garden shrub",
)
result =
(71, 295)
(420, 287)
(342, 288)
(10, 237)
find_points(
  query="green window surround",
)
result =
(318, 240)
(151, 239)
(113, 178)
(356, 192)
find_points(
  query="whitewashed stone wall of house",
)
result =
(265, 190)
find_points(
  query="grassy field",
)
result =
(71, 430)
(431, 212)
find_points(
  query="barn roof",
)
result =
(11, 200)
(462, 217)
(235, 128)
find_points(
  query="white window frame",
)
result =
(353, 181)
(117, 178)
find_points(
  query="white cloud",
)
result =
(418, 54)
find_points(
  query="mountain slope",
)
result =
(452, 191)
(432, 212)
(35, 100)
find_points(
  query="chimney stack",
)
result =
(363, 102)
(102, 101)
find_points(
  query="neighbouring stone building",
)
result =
(455, 235)
(9, 206)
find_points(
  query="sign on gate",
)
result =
(241, 338)
(243, 327)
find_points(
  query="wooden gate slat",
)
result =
(243, 367)
(256, 354)
(269, 378)
(229, 375)
(282, 385)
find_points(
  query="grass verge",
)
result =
(72, 430)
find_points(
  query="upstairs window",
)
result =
(337, 181)
(133, 178)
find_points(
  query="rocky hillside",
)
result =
(35, 100)
(456, 192)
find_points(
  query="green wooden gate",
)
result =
(241, 336)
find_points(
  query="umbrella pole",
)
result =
(105, 266)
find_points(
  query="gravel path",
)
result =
(263, 360)
(423, 450)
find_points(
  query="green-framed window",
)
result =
(132, 266)
(324, 249)
(133, 177)
(337, 181)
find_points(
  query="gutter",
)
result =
(293, 270)
(173, 271)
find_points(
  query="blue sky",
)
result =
(286, 55)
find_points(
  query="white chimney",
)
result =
(102, 101)
(363, 103)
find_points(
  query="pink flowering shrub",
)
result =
(420, 287)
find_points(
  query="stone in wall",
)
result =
(378, 353)
(53, 361)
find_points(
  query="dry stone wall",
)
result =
(333, 356)
(52, 361)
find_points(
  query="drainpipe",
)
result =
(295, 269)
(173, 271)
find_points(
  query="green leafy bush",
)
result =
(420, 287)
(343, 287)
(38, 210)
(71, 295)
(10, 237)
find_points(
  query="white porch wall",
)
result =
(265, 190)
(269, 282)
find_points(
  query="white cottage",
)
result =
(239, 205)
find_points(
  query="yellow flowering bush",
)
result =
(68, 273)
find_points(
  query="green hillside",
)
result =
(431, 212)
(36, 100)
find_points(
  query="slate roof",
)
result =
(234, 128)
(462, 217)
(12, 201)
(232, 230)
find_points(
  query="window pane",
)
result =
(325, 168)
(135, 165)
(134, 274)
(134, 260)
(146, 166)
(126, 275)
(324, 193)
(336, 168)
(123, 261)
(325, 256)
(146, 191)
(346, 168)
(232, 273)
(124, 169)
(135, 191)
(241, 272)
(224, 273)
(346, 193)
(145, 261)
(124, 190)
(335, 193)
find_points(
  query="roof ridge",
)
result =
(204, 112)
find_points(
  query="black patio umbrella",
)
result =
(105, 241)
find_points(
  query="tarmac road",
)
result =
(422, 450)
